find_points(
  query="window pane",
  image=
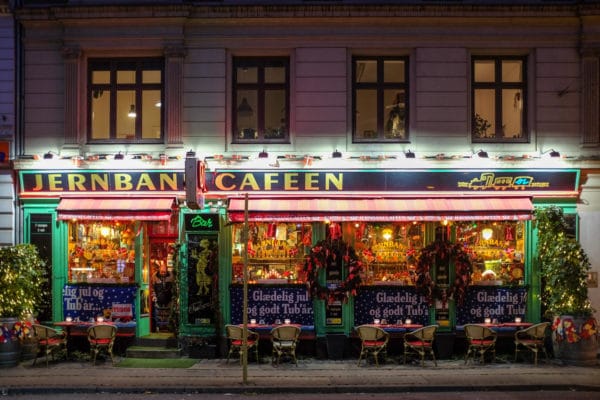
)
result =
(247, 75)
(246, 114)
(512, 113)
(366, 114)
(395, 114)
(151, 114)
(125, 77)
(484, 71)
(151, 76)
(275, 112)
(484, 113)
(126, 120)
(366, 71)
(100, 114)
(101, 77)
(393, 71)
(512, 71)
(274, 75)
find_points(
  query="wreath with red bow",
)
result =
(444, 251)
(323, 254)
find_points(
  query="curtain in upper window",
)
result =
(125, 100)
(380, 99)
(499, 99)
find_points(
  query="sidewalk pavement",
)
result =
(309, 376)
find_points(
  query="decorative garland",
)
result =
(443, 250)
(322, 255)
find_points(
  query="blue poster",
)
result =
(269, 303)
(501, 303)
(87, 302)
(392, 303)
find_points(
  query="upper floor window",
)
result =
(380, 99)
(499, 99)
(125, 98)
(261, 100)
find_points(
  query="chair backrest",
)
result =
(477, 332)
(286, 332)
(537, 331)
(370, 332)
(234, 332)
(426, 333)
(44, 332)
(102, 331)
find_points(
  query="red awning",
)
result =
(388, 209)
(130, 208)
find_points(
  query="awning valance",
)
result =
(381, 209)
(130, 208)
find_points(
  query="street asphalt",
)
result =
(309, 376)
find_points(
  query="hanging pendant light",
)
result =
(244, 109)
(132, 113)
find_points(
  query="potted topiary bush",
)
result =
(21, 291)
(564, 268)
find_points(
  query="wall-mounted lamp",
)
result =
(119, 156)
(132, 113)
(263, 154)
(409, 154)
(336, 154)
(482, 154)
(551, 153)
(48, 156)
(190, 154)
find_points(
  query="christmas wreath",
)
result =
(327, 252)
(443, 251)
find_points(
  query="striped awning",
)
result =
(130, 208)
(381, 209)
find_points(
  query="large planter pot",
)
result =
(10, 349)
(574, 340)
(29, 349)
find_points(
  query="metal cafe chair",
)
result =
(480, 340)
(102, 338)
(49, 341)
(284, 339)
(235, 337)
(532, 339)
(420, 342)
(374, 340)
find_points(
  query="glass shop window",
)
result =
(102, 252)
(275, 252)
(498, 249)
(388, 251)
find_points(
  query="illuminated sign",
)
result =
(201, 222)
(298, 181)
(45, 182)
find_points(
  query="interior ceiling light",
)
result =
(132, 113)
(244, 109)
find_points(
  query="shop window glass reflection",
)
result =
(498, 251)
(275, 252)
(389, 251)
(101, 252)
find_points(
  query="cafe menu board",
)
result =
(267, 304)
(393, 304)
(203, 262)
(501, 303)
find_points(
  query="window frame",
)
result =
(116, 64)
(260, 87)
(498, 86)
(380, 86)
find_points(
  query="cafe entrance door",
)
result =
(162, 284)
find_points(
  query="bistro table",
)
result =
(307, 332)
(80, 328)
